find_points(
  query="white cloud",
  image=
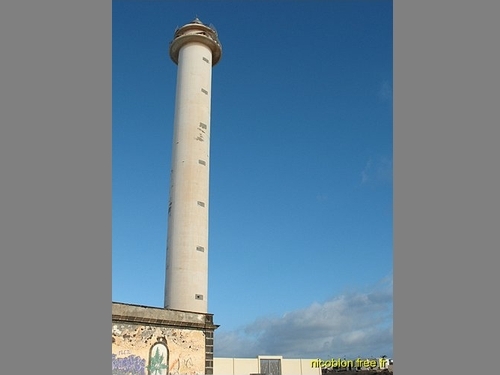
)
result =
(385, 91)
(355, 324)
(321, 197)
(377, 171)
(364, 173)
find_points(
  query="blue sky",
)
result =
(300, 241)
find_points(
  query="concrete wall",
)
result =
(247, 366)
(298, 366)
(233, 366)
(149, 340)
(183, 350)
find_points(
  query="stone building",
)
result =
(149, 340)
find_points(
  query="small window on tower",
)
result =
(202, 162)
(198, 296)
(204, 126)
(202, 204)
(204, 91)
(200, 248)
(205, 59)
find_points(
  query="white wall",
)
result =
(247, 366)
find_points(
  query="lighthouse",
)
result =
(195, 49)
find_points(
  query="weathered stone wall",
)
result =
(153, 341)
(185, 348)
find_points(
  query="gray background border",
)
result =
(55, 205)
(446, 215)
(55, 163)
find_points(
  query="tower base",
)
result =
(161, 341)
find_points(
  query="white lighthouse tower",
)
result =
(195, 49)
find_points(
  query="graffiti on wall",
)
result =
(135, 365)
(131, 365)
(158, 359)
(144, 350)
